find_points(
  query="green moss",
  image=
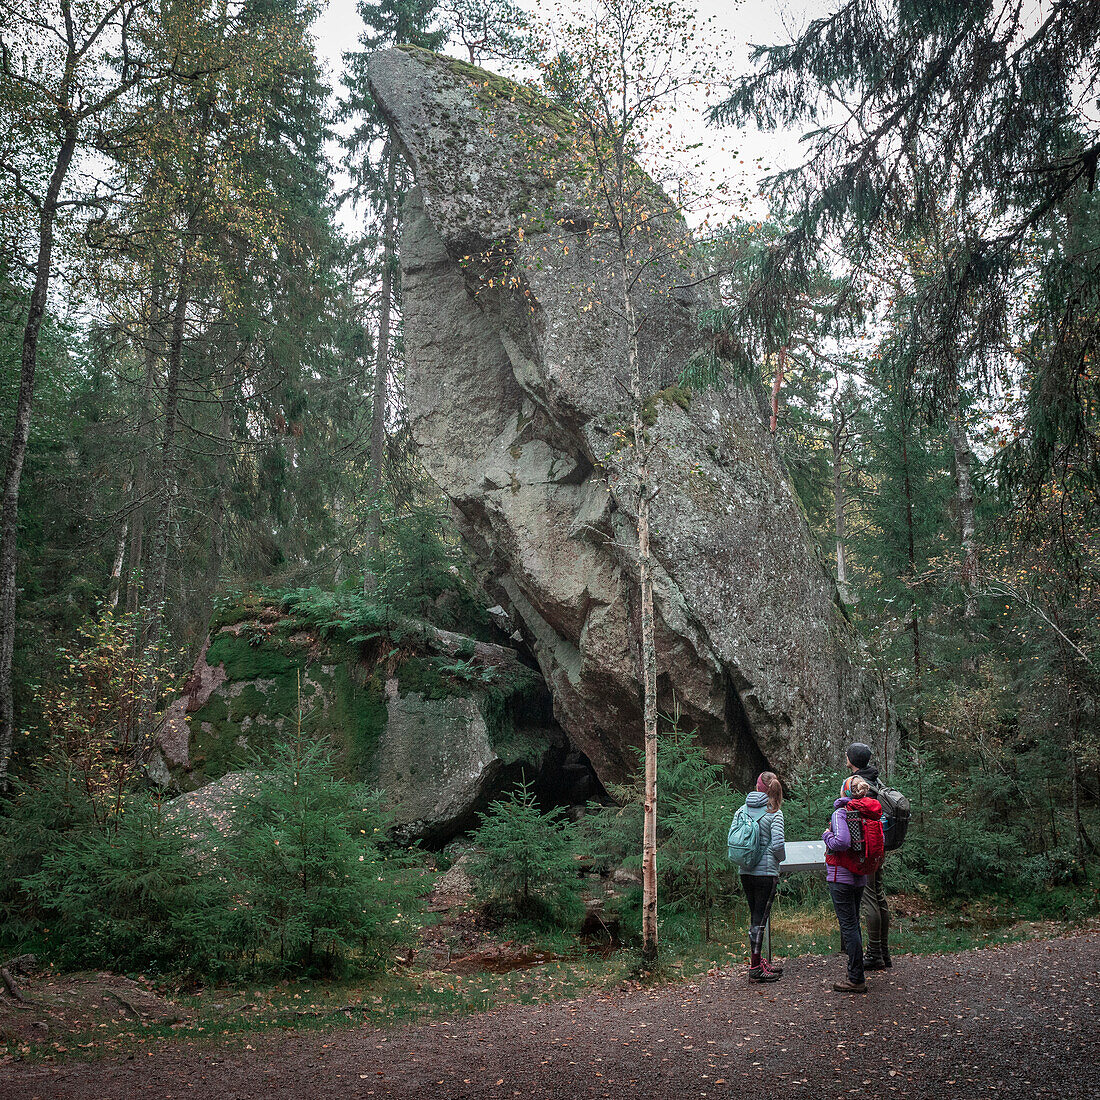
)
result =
(357, 716)
(219, 744)
(498, 710)
(495, 90)
(677, 395)
(424, 676)
(276, 697)
(215, 711)
(245, 659)
(238, 608)
(670, 395)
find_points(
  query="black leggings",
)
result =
(760, 890)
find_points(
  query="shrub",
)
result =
(527, 867)
(319, 879)
(304, 879)
(134, 894)
(699, 805)
(695, 806)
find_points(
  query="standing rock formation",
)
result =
(517, 393)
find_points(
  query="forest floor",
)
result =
(1014, 1020)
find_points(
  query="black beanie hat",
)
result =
(859, 754)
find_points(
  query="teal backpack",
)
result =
(746, 840)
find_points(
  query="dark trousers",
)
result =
(759, 890)
(876, 912)
(846, 901)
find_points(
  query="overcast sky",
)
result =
(749, 23)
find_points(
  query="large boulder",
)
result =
(517, 388)
(441, 723)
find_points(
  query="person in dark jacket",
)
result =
(846, 883)
(874, 907)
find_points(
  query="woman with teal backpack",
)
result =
(759, 862)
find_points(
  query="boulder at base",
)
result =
(515, 330)
(440, 722)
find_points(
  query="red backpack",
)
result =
(868, 848)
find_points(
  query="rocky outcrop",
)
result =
(439, 722)
(517, 391)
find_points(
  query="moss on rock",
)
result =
(251, 656)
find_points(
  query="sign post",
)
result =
(801, 855)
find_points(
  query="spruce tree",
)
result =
(526, 868)
(966, 108)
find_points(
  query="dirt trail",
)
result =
(1014, 1021)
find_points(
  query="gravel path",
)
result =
(1013, 1021)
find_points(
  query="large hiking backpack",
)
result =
(895, 815)
(746, 839)
(867, 849)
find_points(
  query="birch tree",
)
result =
(619, 65)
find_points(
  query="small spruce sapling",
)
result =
(321, 879)
(527, 867)
(695, 869)
(137, 894)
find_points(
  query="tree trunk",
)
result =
(381, 375)
(221, 500)
(839, 503)
(649, 674)
(142, 478)
(648, 641)
(964, 496)
(165, 479)
(914, 619)
(777, 385)
(120, 553)
(9, 519)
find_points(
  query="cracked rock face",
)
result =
(517, 386)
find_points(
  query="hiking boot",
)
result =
(771, 968)
(760, 974)
(850, 987)
(874, 964)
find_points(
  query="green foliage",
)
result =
(47, 805)
(320, 880)
(994, 828)
(420, 571)
(808, 804)
(693, 861)
(135, 895)
(526, 868)
(695, 807)
(250, 657)
(303, 880)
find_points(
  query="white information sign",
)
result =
(803, 855)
